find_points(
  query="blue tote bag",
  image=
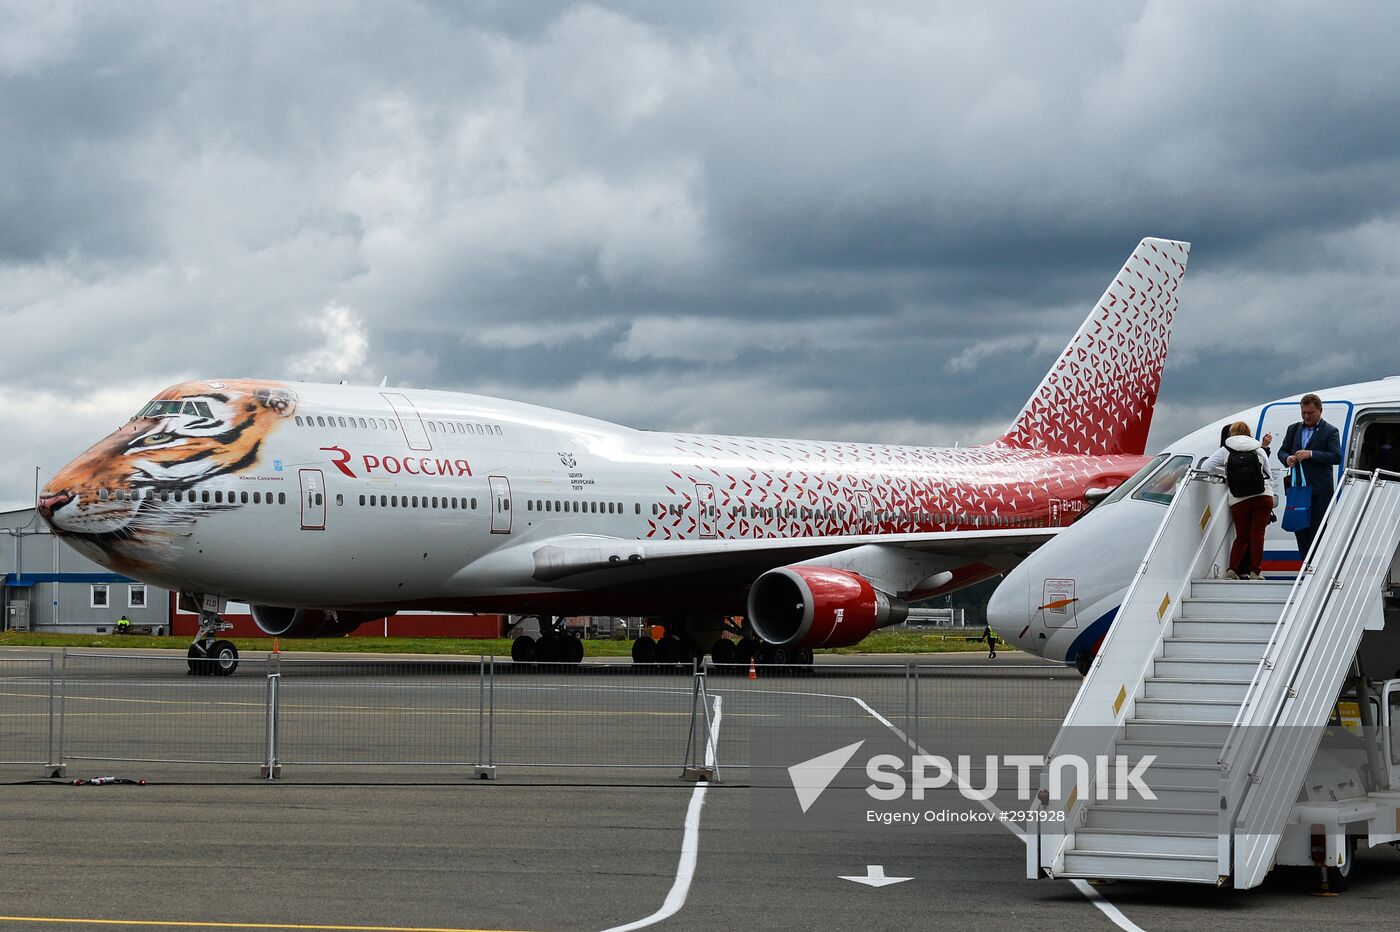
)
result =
(1297, 505)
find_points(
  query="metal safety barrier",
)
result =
(29, 725)
(475, 714)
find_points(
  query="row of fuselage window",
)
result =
(380, 423)
(206, 497)
(840, 514)
(218, 497)
(414, 501)
(453, 503)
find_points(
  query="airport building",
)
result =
(46, 585)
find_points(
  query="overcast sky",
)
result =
(828, 220)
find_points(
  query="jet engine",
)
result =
(310, 622)
(817, 606)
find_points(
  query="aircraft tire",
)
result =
(1082, 662)
(573, 650)
(198, 661)
(805, 659)
(669, 650)
(547, 649)
(644, 650)
(1339, 877)
(522, 649)
(723, 652)
(223, 658)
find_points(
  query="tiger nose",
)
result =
(50, 502)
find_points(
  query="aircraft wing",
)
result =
(583, 561)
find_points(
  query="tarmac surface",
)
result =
(378, 820)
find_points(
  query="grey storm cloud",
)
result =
(883, 221)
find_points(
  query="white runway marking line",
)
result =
(1104, 906)
(690, 846)
(1107, 908)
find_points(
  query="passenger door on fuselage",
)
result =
(1275, 419)
(313, 499)
(705, 505)
(500, 504)
(409, 420)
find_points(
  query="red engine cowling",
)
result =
(817, 606)
(309, 622)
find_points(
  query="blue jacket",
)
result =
(1326, 450)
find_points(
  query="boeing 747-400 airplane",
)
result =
(327, 506)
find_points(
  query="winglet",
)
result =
(1098, 397)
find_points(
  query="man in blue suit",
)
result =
(1317, 447)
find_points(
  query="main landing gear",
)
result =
(763, 654)
(208, 655)
(676, 646)
(555, 645)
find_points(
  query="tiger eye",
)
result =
(154, 439)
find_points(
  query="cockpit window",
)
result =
(1161, 485)
(167, 408)
(160, 409)
(1134, 480)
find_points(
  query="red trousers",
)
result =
(1251, 518)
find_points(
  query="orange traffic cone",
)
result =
(275, 648)
(753, 670)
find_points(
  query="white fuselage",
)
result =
(334, 512)
(1084, 573)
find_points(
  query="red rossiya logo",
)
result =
(393, 465)
(342, 456)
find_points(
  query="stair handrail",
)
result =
(1306, 573)
(1191, 475)
(1292, 638)
(1088, 691)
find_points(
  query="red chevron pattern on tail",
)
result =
(1098, 397)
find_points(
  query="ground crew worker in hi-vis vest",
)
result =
(123, 625)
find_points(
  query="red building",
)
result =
(402, 625)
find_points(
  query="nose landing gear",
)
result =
(208, 655)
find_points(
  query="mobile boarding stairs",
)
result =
(1229, 686)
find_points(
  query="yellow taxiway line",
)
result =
(157, 923)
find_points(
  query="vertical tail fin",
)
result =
(1098, 397)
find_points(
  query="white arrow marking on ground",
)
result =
(811, 777)
(875, 877)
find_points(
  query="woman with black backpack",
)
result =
(1244, 462)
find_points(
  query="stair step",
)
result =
(1175, 648)
(1116, 865)
(1248, 631)
(1136, 843)
(1165, 773)
(1183, 711)
(1168, 797)
(1234, 690)
(1206, 668)
(1230, 610)
(1146, 820)
(1270, 590)
(1172, 754)
(1211, 736)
